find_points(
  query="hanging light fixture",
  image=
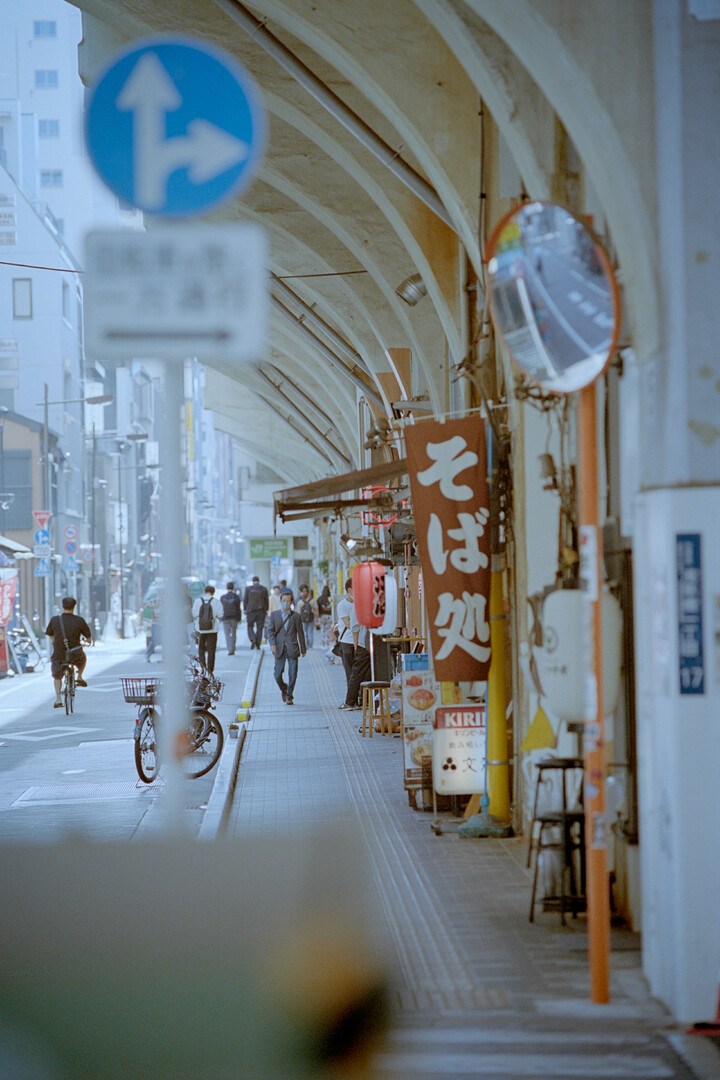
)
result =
(412, 290)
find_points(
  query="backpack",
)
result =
(206, 619)
(231, 606)
(255, 598)
(307, 615)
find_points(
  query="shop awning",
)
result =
(324, 496)
(12, 546)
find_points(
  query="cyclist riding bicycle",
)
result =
(66, 631)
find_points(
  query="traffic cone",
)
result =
(711, 1028)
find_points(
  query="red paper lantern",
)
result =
(369, 593)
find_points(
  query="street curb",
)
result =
(221, 796)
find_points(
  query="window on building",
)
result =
(66, 300)
(51, 178)
(45, 28)
(17, 478)
(46, 79)
(22, 298)
(49, 129)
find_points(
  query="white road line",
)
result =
(486, 1066)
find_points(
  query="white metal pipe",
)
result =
(327, 353)
(334, 105)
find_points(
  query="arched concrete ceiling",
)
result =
(344, 231)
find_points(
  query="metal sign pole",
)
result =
(598, 891)
(174, 639)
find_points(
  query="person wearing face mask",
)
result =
(207, 613)
(287, 644)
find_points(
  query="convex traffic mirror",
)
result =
(554, 299)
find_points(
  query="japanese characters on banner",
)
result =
(8, 586)
(447, 465)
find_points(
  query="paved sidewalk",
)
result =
(480, 991)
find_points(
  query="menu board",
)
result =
(420, 694)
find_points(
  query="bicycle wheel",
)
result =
(146, 759)
(202, 743)
(68, 689)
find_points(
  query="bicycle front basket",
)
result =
(140, 689)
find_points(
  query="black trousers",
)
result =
(347, 655)
(207, 644)
(255, 623)
(360, 673)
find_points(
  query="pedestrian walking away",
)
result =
(67, 631)
(255, 604)
(155, 625)
(207, 613)
(287, 644)
(232, 613)
(324, 604)
(346, 620)
(307, 609)
(275, 599)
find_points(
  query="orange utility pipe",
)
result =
(591, 551)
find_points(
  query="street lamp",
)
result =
(97, 399)
(122, 442)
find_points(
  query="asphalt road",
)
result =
(75, 775)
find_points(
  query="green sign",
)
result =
(270, 547)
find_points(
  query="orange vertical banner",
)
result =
(447, 465)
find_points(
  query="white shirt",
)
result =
(345, 609)
(216, 608)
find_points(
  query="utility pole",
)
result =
(93, 480)
(120, 534)
(46, 493)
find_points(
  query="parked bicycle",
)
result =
(198, 744)
(67, 688)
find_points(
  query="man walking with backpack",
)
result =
(207, 613)
(307, 609)
(232, 613)
(256, 603)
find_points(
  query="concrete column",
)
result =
(677, 592)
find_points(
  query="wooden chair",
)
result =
(376, 708)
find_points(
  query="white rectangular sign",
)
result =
(176, 291)
(458, 761)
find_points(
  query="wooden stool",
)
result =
(371, 713)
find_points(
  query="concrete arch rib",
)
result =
(287, 411)
(355, 247)
(501, 82)
(338, 33)
(275, 441)
(564, 80)
(398, 210)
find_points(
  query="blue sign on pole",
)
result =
(42, 536)
(691, 650)
(174, 126)
(42, 569)
(71, 565)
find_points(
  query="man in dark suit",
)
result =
(255, 603)
(287, 643)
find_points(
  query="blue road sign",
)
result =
(71, 565)
(42, 536)
(42, 569)
(71, 547)
(175, 126)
